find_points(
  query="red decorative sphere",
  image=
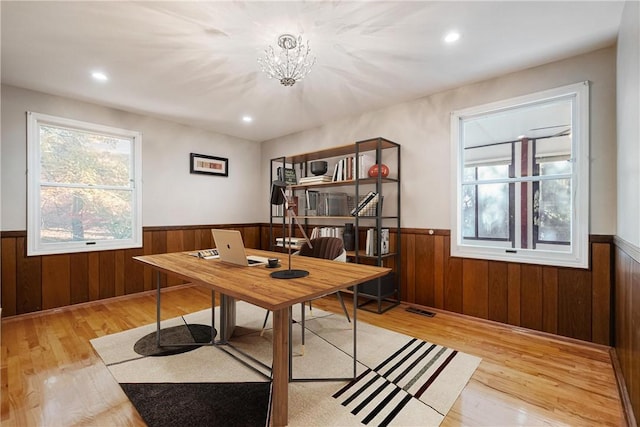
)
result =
(373, 170)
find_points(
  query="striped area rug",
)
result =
(379, 394)
(400, 380)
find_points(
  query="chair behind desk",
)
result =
(326, 248)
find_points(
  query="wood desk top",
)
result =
(256, 286)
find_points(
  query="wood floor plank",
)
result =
(52, 376)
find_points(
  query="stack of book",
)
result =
(315, 179)
(284, 242)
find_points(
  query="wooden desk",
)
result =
(254, 285)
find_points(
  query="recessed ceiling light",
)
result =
(100, 76)
(247, 119)
(452, 36)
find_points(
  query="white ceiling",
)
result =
(196, 62)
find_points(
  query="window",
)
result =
(522, 179)
(84, 186)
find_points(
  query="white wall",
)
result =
(628, 89)
(422, 128)
(171, 196)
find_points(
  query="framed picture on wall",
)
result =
(209, 165)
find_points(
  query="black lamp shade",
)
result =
(277, 197)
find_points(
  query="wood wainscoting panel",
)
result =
(408, 276)
(175, 243)
(56, 273)
(453, 287)
(513, 294)
(107, 274)
(601, 322)
(9, 278)
(29, 279)
(550, 299)
(189, 239)
(133, 272)
(204, 239)
(531, 307)
(119, 273)
(424, 270)
(572, 302)
(627, 323)
(439, 278)
(475, 288)
(35, 283)
(147, 247)
(94, 275)
(79, 277)
(498, 292)
(159, 246)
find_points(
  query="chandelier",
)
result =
(289, 65)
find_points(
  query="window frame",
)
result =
(35, 246)
(578, 254)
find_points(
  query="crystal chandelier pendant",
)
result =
(291, 64)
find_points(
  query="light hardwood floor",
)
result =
(50, 375)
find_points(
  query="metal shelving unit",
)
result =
(381, 294)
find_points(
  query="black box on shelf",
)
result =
(370, 288)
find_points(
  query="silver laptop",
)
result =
(231, 249)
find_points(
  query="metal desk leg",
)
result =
(213, 316)
(355, 327)
(302, 333)
(157, 308)
(290, 343)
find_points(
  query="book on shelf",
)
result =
(366, 204)
(365, 161)
(327, 232)
(311, 199)
(363, 201)
(344, 169)
(372, 207)
(288, 175)
(371, 244)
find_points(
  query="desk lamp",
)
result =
(279, 197)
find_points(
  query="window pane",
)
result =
(553, 211)
(495, 154)
(555, 168)
(493, 211)
(74, 156)
(71, 214)
(493, 172)
(468, 211)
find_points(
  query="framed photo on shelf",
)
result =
(208, 165)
